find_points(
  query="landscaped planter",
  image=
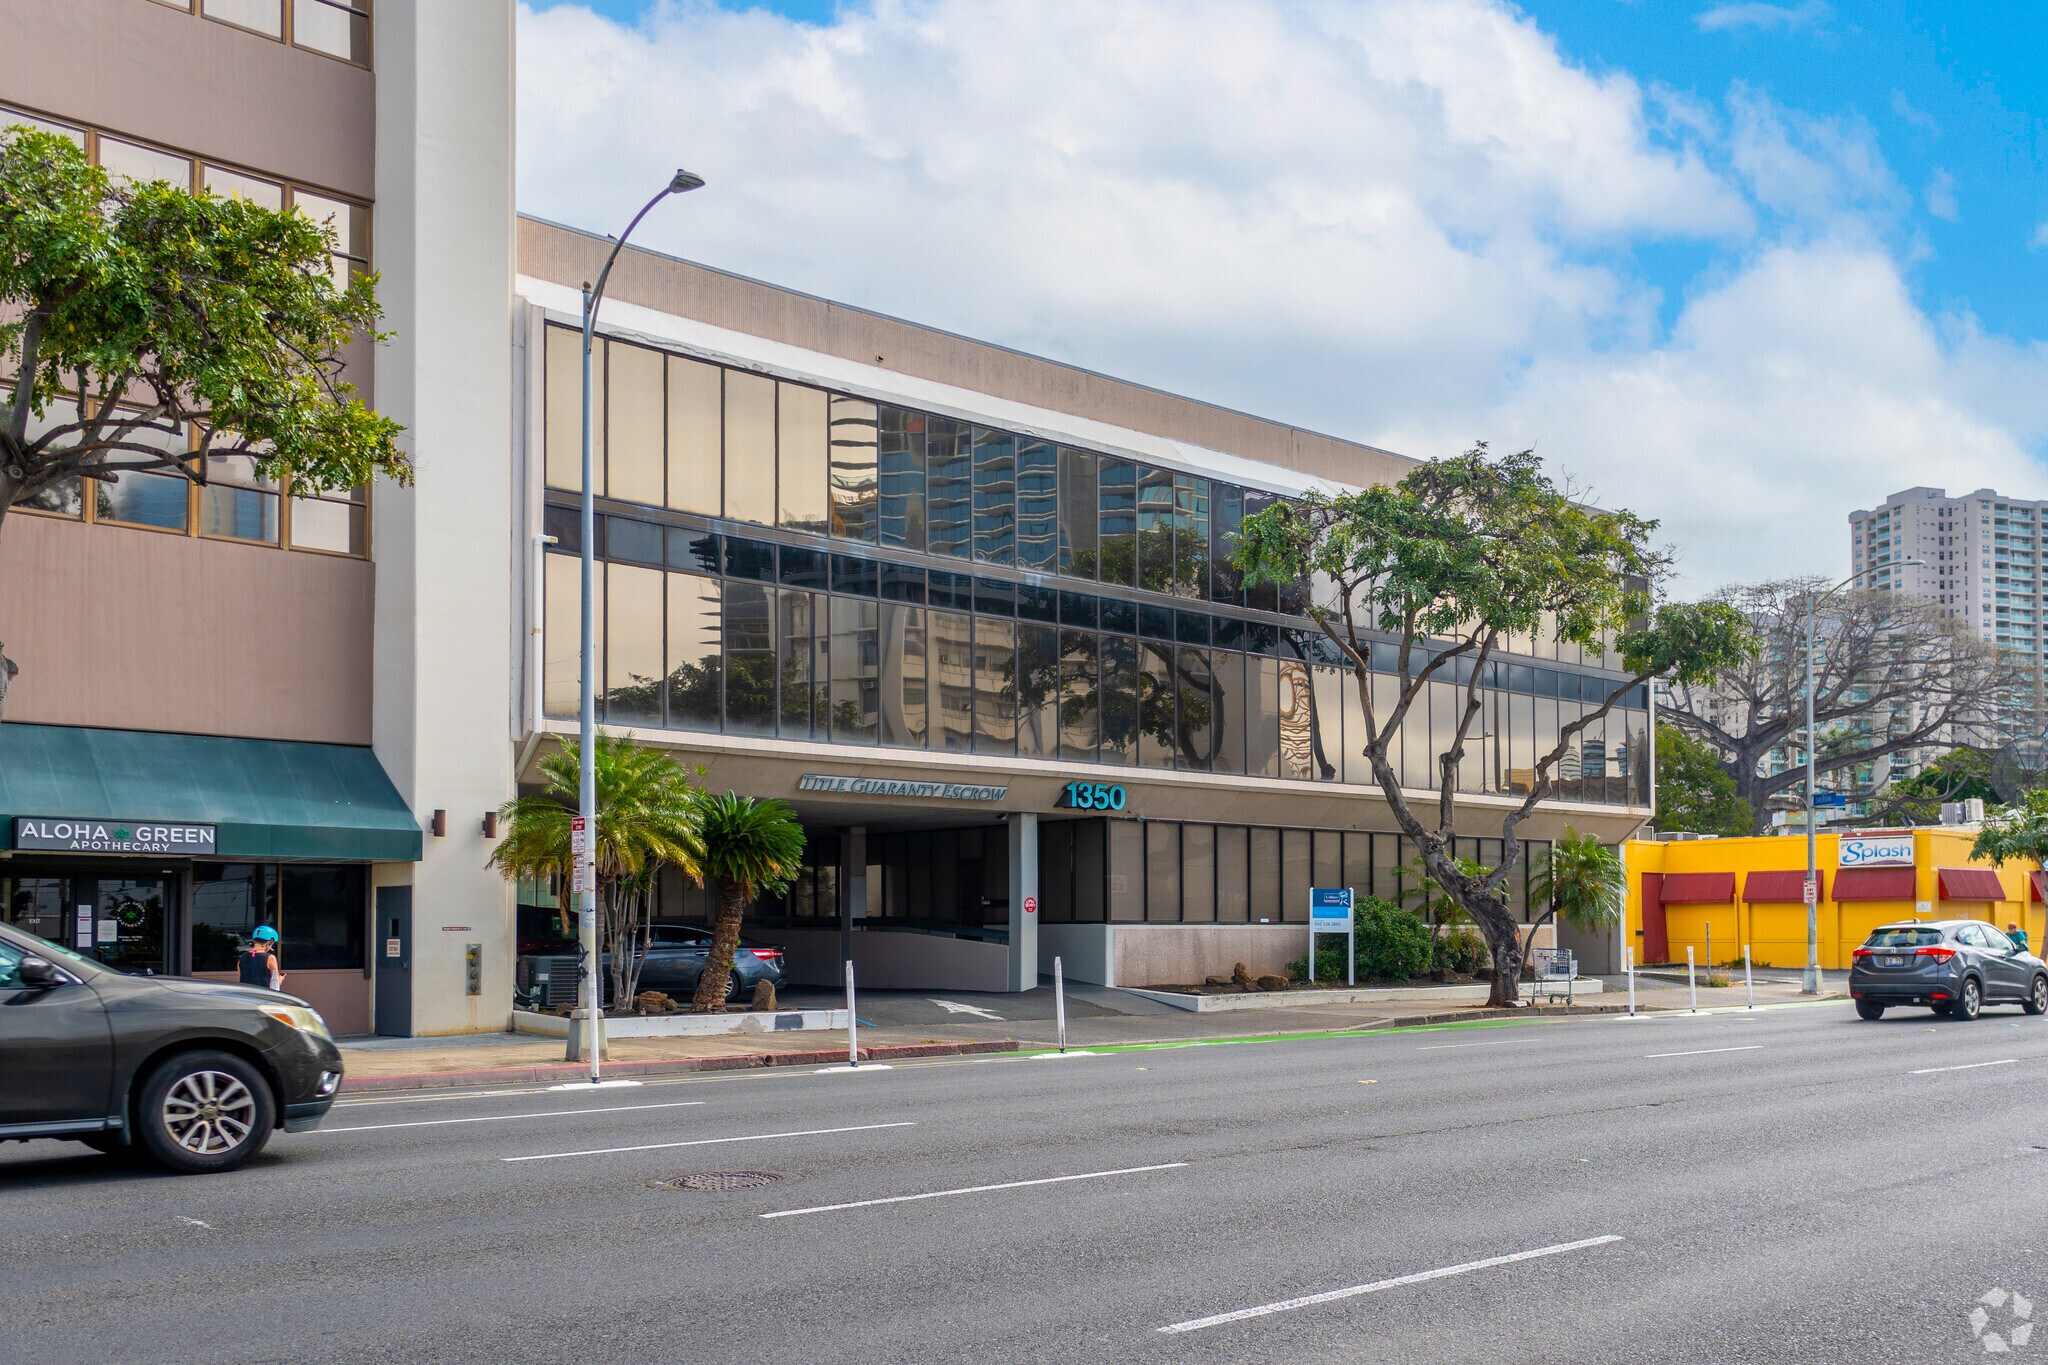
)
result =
(1472, 993)
(687, 1025)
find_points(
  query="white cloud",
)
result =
(1404, 221)
(1910, 114)
(1769, 18)
(1941, 196)
(2039, 241)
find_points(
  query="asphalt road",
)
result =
(1789, 1185)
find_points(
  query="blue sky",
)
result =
(1743, 266)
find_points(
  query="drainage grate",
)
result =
(718, 1180)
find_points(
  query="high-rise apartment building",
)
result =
(1981, 553)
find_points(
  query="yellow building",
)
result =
(1715, 895)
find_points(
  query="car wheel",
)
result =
(1971, 1002)
(1870, 1009)
(2037, 997)
(204, 1111)
(732, 986)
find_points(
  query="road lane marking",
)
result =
(1265, 1310)
(712, 1142)
(972, 1189)
(1499, 1042)
(1966, 1066)
(506, 1118)
(1703, 1051)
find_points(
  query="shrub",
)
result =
(1329, 966)
(1393, 944)
(1464, 951)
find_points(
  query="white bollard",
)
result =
(1748, 979)
(1628, 964)
(852, 1021)
(1691, 983)
(1059, 1000)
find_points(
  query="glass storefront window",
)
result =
(949, 480)
(995, 496)
(749, 447)
(1233, 896)
(900, 479)
(802, 445)
(1162, 872)
(696, 667)
(1079, 516)
(634, 404)
(325, 913)
(696, 436)
(634, 680)
(238, 501)
(854, 443)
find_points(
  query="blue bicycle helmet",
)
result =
(264, 934)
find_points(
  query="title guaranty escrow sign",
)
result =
(890, 786)
(54, 834)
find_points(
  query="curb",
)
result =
(743, 1061)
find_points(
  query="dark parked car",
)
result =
(678, 954)
(1955, 967)
(195, 1073)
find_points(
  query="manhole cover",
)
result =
(718, 1180)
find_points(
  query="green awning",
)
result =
(267, 798)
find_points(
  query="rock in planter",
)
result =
(654, 1002)
(1216, 981)
(1270, 982)
(764, 996)
(1241, 975)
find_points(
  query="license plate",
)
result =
(1895, 962)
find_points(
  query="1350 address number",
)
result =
(1090, 796)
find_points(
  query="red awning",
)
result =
(2034, 880)
(1970, 884)
(1874, 884)
(1781, 886)
(1698, 888)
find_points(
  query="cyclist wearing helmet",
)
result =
(260, 963)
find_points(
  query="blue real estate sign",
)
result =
(1329, 912)
(1329, 908)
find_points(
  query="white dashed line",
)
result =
(972, 1189)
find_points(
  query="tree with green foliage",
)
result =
(2018, 831)
(1695, 794)
(752, 847)
(648, 817)
(1961, 774)
(1582, 883)
(145, 327)
(1458, 556)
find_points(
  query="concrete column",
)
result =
(1023, 900)
(445, 552)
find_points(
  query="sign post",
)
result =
(1329, 912)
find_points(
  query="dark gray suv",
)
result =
(197, 1074)
(1954, 967)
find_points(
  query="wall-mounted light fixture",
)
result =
(439, 824)
(490, 824)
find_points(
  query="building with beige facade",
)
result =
(971, 612)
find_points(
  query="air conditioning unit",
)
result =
(547, 982)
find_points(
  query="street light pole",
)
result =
(586, 714)
(1810, 983)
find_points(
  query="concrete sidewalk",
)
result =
(511, 1059)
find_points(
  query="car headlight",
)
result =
(301, 1018)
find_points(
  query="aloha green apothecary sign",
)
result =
(57, 834)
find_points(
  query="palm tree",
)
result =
(647, 819)
(1583, 883)
(751, 846)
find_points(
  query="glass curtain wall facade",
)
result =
(956, 881)
(779, 561)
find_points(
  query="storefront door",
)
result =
(122, 918)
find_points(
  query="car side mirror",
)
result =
(39, 973)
